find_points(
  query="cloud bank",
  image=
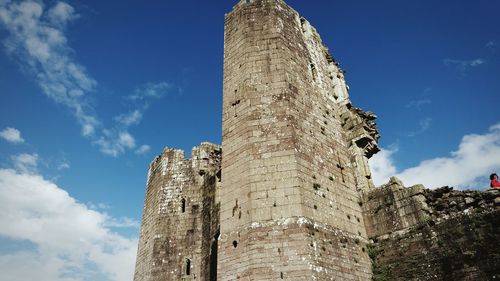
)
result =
(468, 167)
(56, 237)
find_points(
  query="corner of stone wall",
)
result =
(393, 207)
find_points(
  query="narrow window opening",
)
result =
(235, 243)
(188, 267)
(314, 72)
(183, 205)
(213, 257)
(302, 24)
(281, 275)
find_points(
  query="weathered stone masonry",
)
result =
(180, 217)
(290, 196)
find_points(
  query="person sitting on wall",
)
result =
(494, 181)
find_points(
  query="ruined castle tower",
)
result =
(294, 161)
(294, 153)
(180, 218)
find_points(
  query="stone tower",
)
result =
(294, 153)
(180, 218)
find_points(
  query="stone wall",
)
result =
(441, 234)
(179, 231)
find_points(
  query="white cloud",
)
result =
(12, 135)
(115, 143)
(25, 162)
(382, 165)
(131, 118)
(492, 45)
(424, 125)
(464, 65)
(61, 13)
(143, 149)
(69, 240)
(476, 157)
(37, 39)
(418, 103)
(150, 90)
(38, 42)
(126, 140)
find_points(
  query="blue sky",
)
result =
(91, 91)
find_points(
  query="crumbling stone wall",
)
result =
(179, 228)
(441, 234)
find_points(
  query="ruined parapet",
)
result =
(393, 207)
(180, 216)
(440, 234)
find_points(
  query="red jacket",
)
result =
(495, 184)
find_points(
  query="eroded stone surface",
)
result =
(441, 234)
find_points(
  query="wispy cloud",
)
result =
(26, 163)
(477, 156)
(114, 144)
(12, 135)
(150, 91)
(141, 100)
(37, 40)
(418, 103)
(492, 45)
(143, 149)
(424, 125)
(68, 240)
(463, 65)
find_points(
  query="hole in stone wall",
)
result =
(348, 217)
(363, 249)
(316, 186)
(330, 178)
(358, 219)
(213, 256)
(281, 275)
(235, 243)
(183, 205)
(188, 267)
(315, 207)
(314, 72)
(302, 24)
